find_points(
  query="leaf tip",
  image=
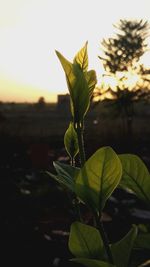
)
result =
(57, 53)
(54, 163)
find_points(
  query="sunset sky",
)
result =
(31, 30)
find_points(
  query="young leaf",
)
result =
(68, 69)
(67, 66)
(135, 176)
(78, 88)
(80, 94)
(80, 83)
(121, 250)
(85, 241)
(68, 183)
(66, 170)
(71, 141)
(81, 58)
(91, 81)
(65, 175)
(98, 178)
(92, 263)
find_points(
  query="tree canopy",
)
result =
(125, 49)
(121, 60)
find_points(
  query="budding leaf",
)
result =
(80, 81)
(81, 58)
(71, 141)
(80, 95)
(91, 81)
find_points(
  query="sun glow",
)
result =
(127, 79)
(123, 79)
(22, 92)
(31, 30)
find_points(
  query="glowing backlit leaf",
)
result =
(98, 178)
(135, 176)
(81, 58)
(91, 81)
(80, 83)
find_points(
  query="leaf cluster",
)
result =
(97, 178)
(80, 81)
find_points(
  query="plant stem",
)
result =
(75, 202)
(100, 227)
(72, 162)
(76, 207)
(79, 131)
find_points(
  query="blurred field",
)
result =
(29, 120)
(30, 123)
(24, 125)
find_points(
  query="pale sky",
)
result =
(31, 30)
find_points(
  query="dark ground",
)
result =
(35, 212)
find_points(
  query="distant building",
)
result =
(63, 103)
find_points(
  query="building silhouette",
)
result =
(63, 103)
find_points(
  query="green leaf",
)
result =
(135, 176)
(98, 178)
(80, 94)
(66, 170)
(81, 58)
(66, 175)
(71, 141)
(143, 241)
(78, 88)
(68, 69)
(67, 66)
(121, 250)
(85, 241)
(61, 180)
(80, 83)
(91, 81)
(92, 263)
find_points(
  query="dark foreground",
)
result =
(36, 214)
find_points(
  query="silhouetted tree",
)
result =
(123, 51)
(121, 55)
(41, 102)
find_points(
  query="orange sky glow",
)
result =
(31, 30)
